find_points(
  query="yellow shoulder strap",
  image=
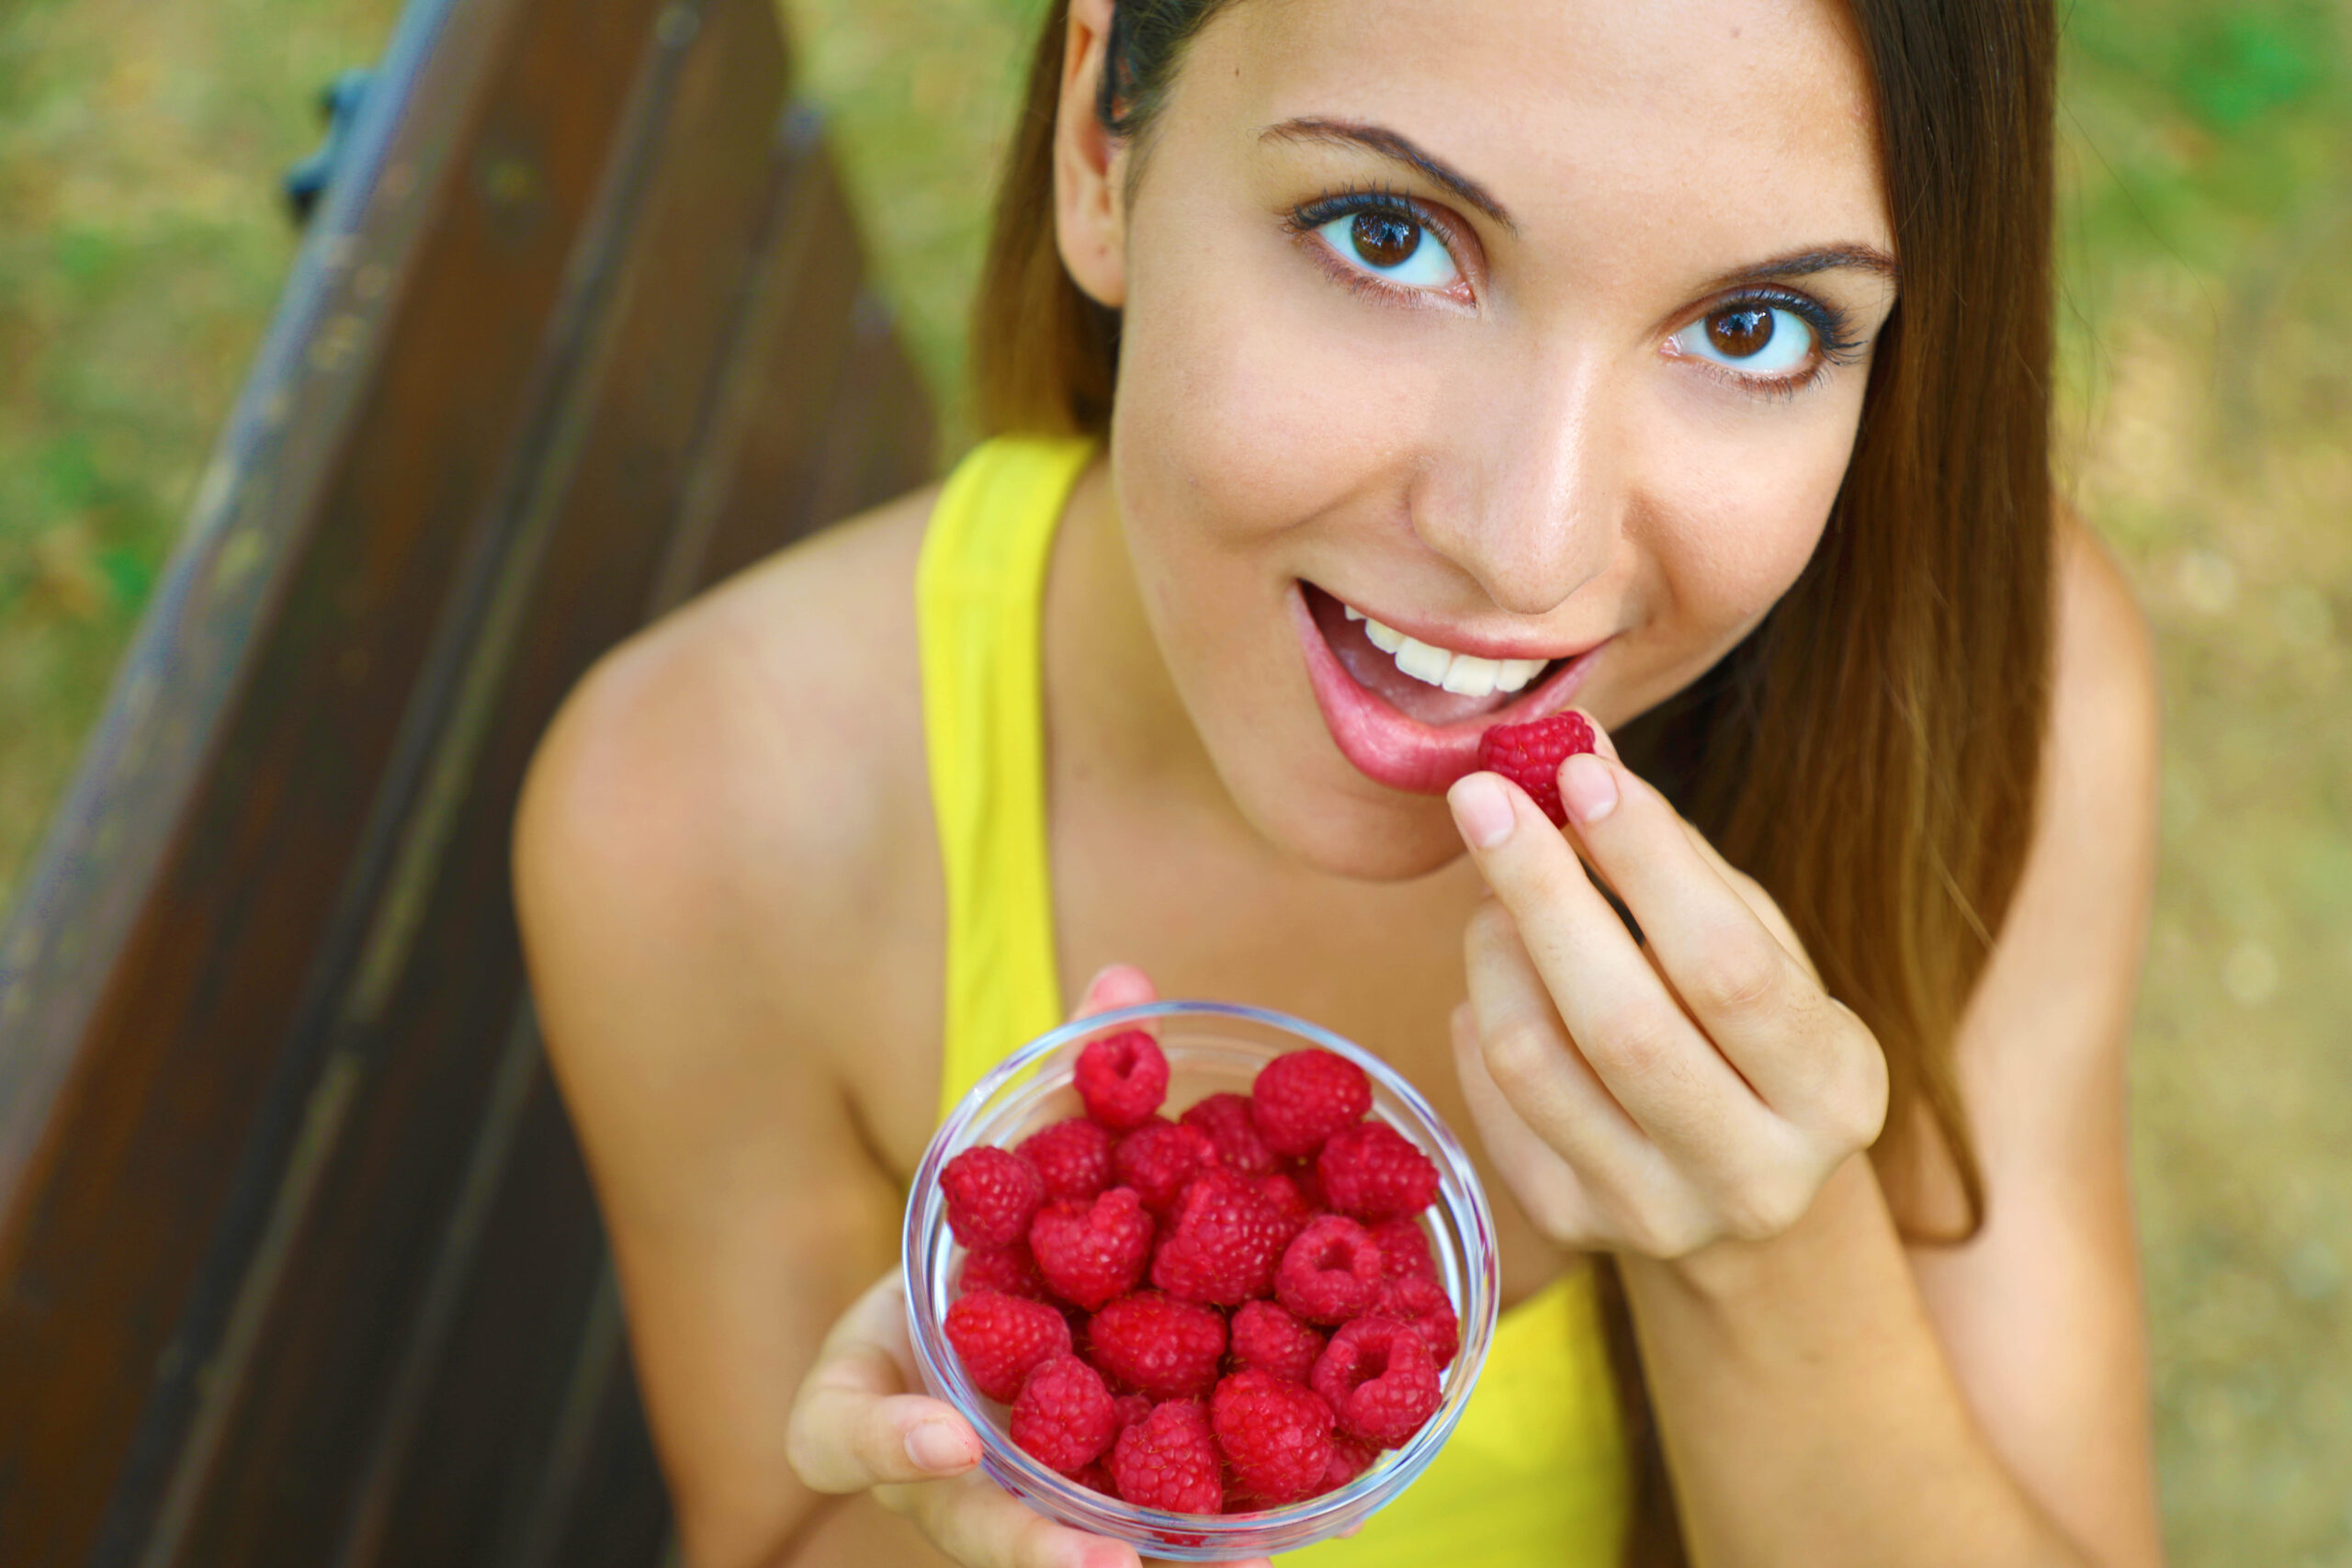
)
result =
(979, 590)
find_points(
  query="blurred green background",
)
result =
(2206, 429)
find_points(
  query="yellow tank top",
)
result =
(1536, 1472)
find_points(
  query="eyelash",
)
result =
(1350, 201)
(1835, 343)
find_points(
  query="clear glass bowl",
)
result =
(1211, 1047)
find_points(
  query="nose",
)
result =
(1526, 493)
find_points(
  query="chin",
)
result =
(1342, 825)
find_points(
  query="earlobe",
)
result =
(1090, 164)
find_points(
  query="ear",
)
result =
(1090, 166)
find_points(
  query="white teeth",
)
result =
(1423, 662)
(1464, 672)
(1470, 675)
(1516, 672)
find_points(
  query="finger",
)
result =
(1116, 986)
(1676, 1087)
(1527, 1056)
(977, 1523)
(1754, 1000)
(1750, 891)
(1549, 1189)
(854, 1425)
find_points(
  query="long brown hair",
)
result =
(1869, 755)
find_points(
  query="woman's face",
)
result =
(1533, 331)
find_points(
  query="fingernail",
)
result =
(1588, 788)
(936, 1446)
(1482, 810)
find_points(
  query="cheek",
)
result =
(1244, 405)
(1737, 514)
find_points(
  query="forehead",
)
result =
(1746, 124)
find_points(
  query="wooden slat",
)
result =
(297, 1261)
(282, 663)
(439, 971)
(753, 473)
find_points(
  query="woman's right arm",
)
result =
(686, 886)
(744, 1213)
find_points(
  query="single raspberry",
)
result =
(1122, 1078)
(1530, 756)
(1378, 1376)
(1276, 1434)
(1000, 1340)
(1221, 1243)
(1168, 1349)
(1006, 1268)
(1074, 1156)
(1095, 1477)
(1093, 1253)
(1330, 1272)
(1225, 1118)
(1404, 1248)
(1302, 1097)
(1127, 1409)
(1423, 1305)
(1303, 1176)
(1157, 1158)
(1064, 1416)
(1170, 1460)
(1271, 1337)
(992, 1196)
(1350, 1457)
(1290, 1206)
(1373, 1172)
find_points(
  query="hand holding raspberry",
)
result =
(1653, 1094)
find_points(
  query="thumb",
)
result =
(1113, 986)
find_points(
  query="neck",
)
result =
(1113, 714)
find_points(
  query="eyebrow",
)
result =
(1397, 148)
(1804, 264)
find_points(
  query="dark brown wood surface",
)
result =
(298, 1263)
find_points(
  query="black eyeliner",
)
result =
(1832, 327)
(1350, 202)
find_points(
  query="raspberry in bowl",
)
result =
(1204, 1278)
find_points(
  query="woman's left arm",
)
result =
(1826, 1396)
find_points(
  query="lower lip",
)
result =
(1403, 753)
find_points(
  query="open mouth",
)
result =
(1408, 714)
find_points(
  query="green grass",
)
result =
(2206, 429)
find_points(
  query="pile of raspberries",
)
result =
(1225, 1313)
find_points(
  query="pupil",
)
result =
(1740, 332)
(1383, 239)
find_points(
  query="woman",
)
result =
(1449, 365)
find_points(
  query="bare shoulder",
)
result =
(2042, 1042)
(727, 811)
(2066, 968)
(2080, 912)
(2103, 696)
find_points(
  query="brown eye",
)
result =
(1385, 239)
(1741, 332)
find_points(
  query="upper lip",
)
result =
(1479, 645)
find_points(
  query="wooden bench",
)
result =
(298, 1262)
